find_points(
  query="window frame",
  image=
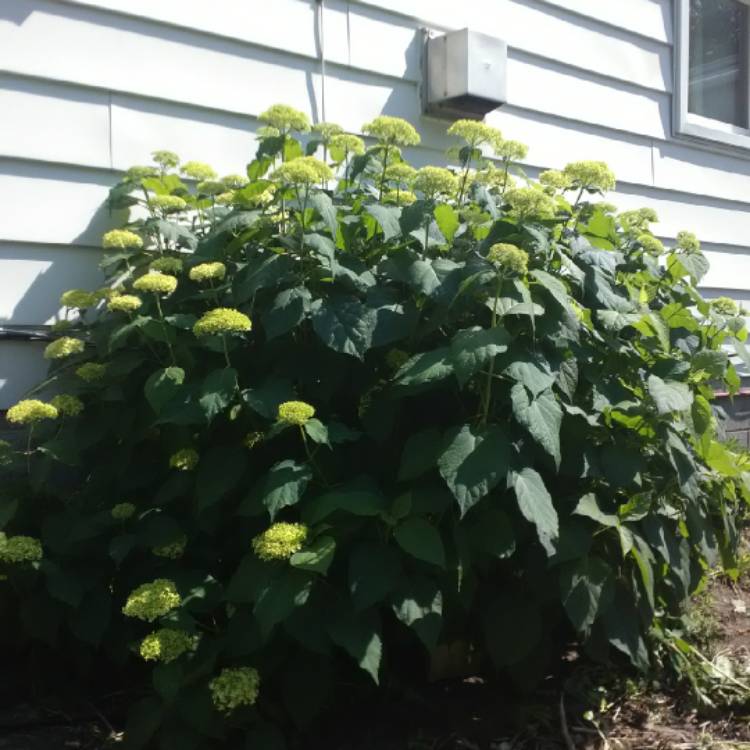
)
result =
(689, 125)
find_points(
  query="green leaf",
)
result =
(360, 497)
(317, 431)
(323, 204)
(317, 557)
(219, 472)
(374, 573)
(280, 597)
(288, 309)
(533, 372)
(162, 386)
(344, 324)
(473, 462)
(265, 398)
(421, 540)
(588, 506)
(388, 219)
(167, 679)
(425, 368)
(582, 585)
(420, 454)
(360, 637)
(535, 503)
(282, 487)
(217, 391)
(669, 395)
(541, 416)
(263, 271)
(473, 348)
(553, 285)
(447, 220)
(418, 603)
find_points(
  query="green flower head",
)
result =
(121, 239)
(347, 144)
(476, 133)
(222, 320)
(725, 306)
(63, 347)
(285, 118)
(590, 175)
(433, 181)
(295, 412)
(20, 549)
(91, 371)
(280, 541)
(166, 645)
(185, 459)
(492, 178)
(126, 303)
(226, 198)
(637, 221)
(650, 244)
(234, 181)
(152, 600)
(167, 203)
(197, 170)
(553, 180)
(29, 411)
(326, 130)
(78, 298)
(268, 132)
(511, 150)
(211, 187)
(509, 258)
(137, 173)
(530, 203)
(171, 266)
(399, 197)
(400, 172)
(305, 170)
(392, 131)
(123, 511)
(688, 242)
(174, 550)
(166, 159)
(66, 405)
(157, 283)
(215, 271)
(235, 687)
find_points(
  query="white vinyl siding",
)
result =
(90, 87)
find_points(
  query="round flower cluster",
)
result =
(165, 159)
(78, 298)
(399, 197)
(124, 303)
(63, 347)
(91, 371)
(280, 541)
(529, 202)
(725, 306)
(152, 600)
(591, 175)
(295, 412)
(284, 118)
(638, 220)
(138, 173)
(167, 203)
(174, 550)
(252, 439)
(20, 549)
(121, 239)
(511, 150)
(688, 242)
(349, 144)
(226, 198)
(68, 406)
(509, 258)
(197, 170)
(492, 177)
(166, 265)
(267, 131)
(158, 283)
(208, 272)
(222, 320)
(400, 172)
(234, 181)
(392, 131)
(435, 180)
(234, 687)
(166, 645)
(210, 187)
(476, 133)
(123, 511)
(305, 170)
(326, 130)
(607, 208)
(650, 244)
(553, 180)
(185, 459)
(29, 411)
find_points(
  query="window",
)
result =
(712, 97)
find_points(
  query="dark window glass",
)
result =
(718, 86)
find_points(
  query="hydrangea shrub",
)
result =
(332, 422)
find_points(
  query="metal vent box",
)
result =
(465, 74)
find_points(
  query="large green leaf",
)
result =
(281, 596)
(421, 539)
(317, 557)
(388, 219)
(473, 348)
(359, 636)
(420, 454)
(217, 391)
(374, 573)
(669, 395)
(162, 386)
(473, 462)
(360, 497)
(583, 584)
(533, 372)
(283, 486)
(447, 220)
(541, 416)
(344, 324)
(287, 310)
(418, 603)
(535, 503)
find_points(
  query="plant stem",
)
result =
(382, 174)
(165, 329)
(310, 457)
(226, 350)
(491, 369)
(28, 450)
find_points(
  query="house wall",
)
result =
(91, 87)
